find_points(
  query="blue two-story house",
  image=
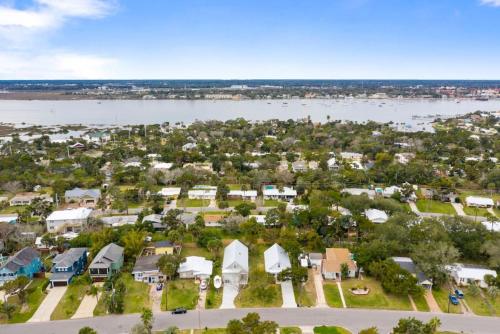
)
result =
(25, 262)
(67, 265)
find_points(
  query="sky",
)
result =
(249, 39)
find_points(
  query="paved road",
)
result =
(352, 319)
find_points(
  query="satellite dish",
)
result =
(217, 282)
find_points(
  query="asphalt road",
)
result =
(352, 319)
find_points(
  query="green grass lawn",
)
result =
(421, 303)
(180, 293)
(272, 202)
(12, 209)
(377, 298)
(441, 297)
(192, 203)
(70, 301)
(261, 290)
(136, 297)
(470, 211)
(425, 205)
(305, 295)
(35, 296)
(330, 330)
(214, 296)
(203, 331)
(332, 294)
(191, 249)
(482, 306)
(235, 202)
(290, 330)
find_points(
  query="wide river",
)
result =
(122, 112)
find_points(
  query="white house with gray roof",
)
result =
(84, 197)
(235, 264)
(276, 260)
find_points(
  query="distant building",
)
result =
(250, 195)
(117, 221)
(170, 192)
(479, 202)
(203, 192)
(71, 220)
(84, 197)
(464, 275)
(9, 218)
(407, 264)
(273, 192)
(28, 198)
(376, 216)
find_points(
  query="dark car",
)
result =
(453, 299)
(179, 310)
(159, 286)
(459, 293)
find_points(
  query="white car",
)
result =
(203, 285)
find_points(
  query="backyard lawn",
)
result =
(191, 249)
(377, 298)
(306, 295)
(482, 305)
(330, 330)
(261, 290)
(290, 330)
(136, 297)
(470, 211)
(425, 205)
(332, 294)
(272, 202)
(180, 293)
(441, 297)
(35, 295)
(70, 301)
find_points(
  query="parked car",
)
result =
(203, 285)
(459, 293)
(159, 286)
(453, 299)
(179, 310)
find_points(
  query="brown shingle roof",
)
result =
(334, 259)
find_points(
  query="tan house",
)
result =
(332, 264)
(28, 198)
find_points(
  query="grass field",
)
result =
(290, 330)
(191, 249)
(306, 295)
(425, 205)
(332, 294)
(180, 293)
(470, 211)
(192, 203)
(12, 209)
(377, 298)
(70, 301)
(330, 330)
(441, 297)
(482, 305)
(136, 297)
(35, 296)
(421, 303)
(272, 202)
(261, 290)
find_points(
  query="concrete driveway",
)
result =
(287, 294)
(229, 293)
(48, 304)
(87, 306)
(320, 294)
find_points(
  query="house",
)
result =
(203, 192)
(360, 191)
(315, 260)
(404, 158)
(276, 260)
(464, 275)
(204, 166)
(25, 262)
(332, 264)
(332, 163)
(165, 247)
(376, 216)
(146, 269)
(162, 166)
(170, 192)
(273, 192)
(28, 197)
(351, 156)
(67, 265)
(156, 221)
(107, 262)
(261, 219)
(250, 195)
(97, 137)
(235, 264)
(196, 267)
(84, 197)
(492, 226)
(188, 147)
(300, 166)
(9, 218)
(407, 264)
(71, 220)
(187, 218)
(479, 202)
(117, 221)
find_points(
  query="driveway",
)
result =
(48, 304)
(87, 306)
(320, 294)
(229, 293)
(459, 209)
(155, 297)
(202, 298)
(288, 295)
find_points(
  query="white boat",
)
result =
(217, 282)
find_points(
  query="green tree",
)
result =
(433, 257)
(147, 319)
(251, 324)
(371, 330)
(414, 326)
(7, 309)
(214, 246)
(344, 270)
(168, 264)
(87, 330)
(133, 242)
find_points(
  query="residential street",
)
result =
(352, 319)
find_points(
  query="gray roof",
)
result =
(61, 276)
(153, 218)
(79, 193)
(107, 255)
(187, 218)
(407, 264)
(315, 256)
(146, 263)
(22, 258)
(163, 243)
(69, 257)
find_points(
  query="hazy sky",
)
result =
(245, 39)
